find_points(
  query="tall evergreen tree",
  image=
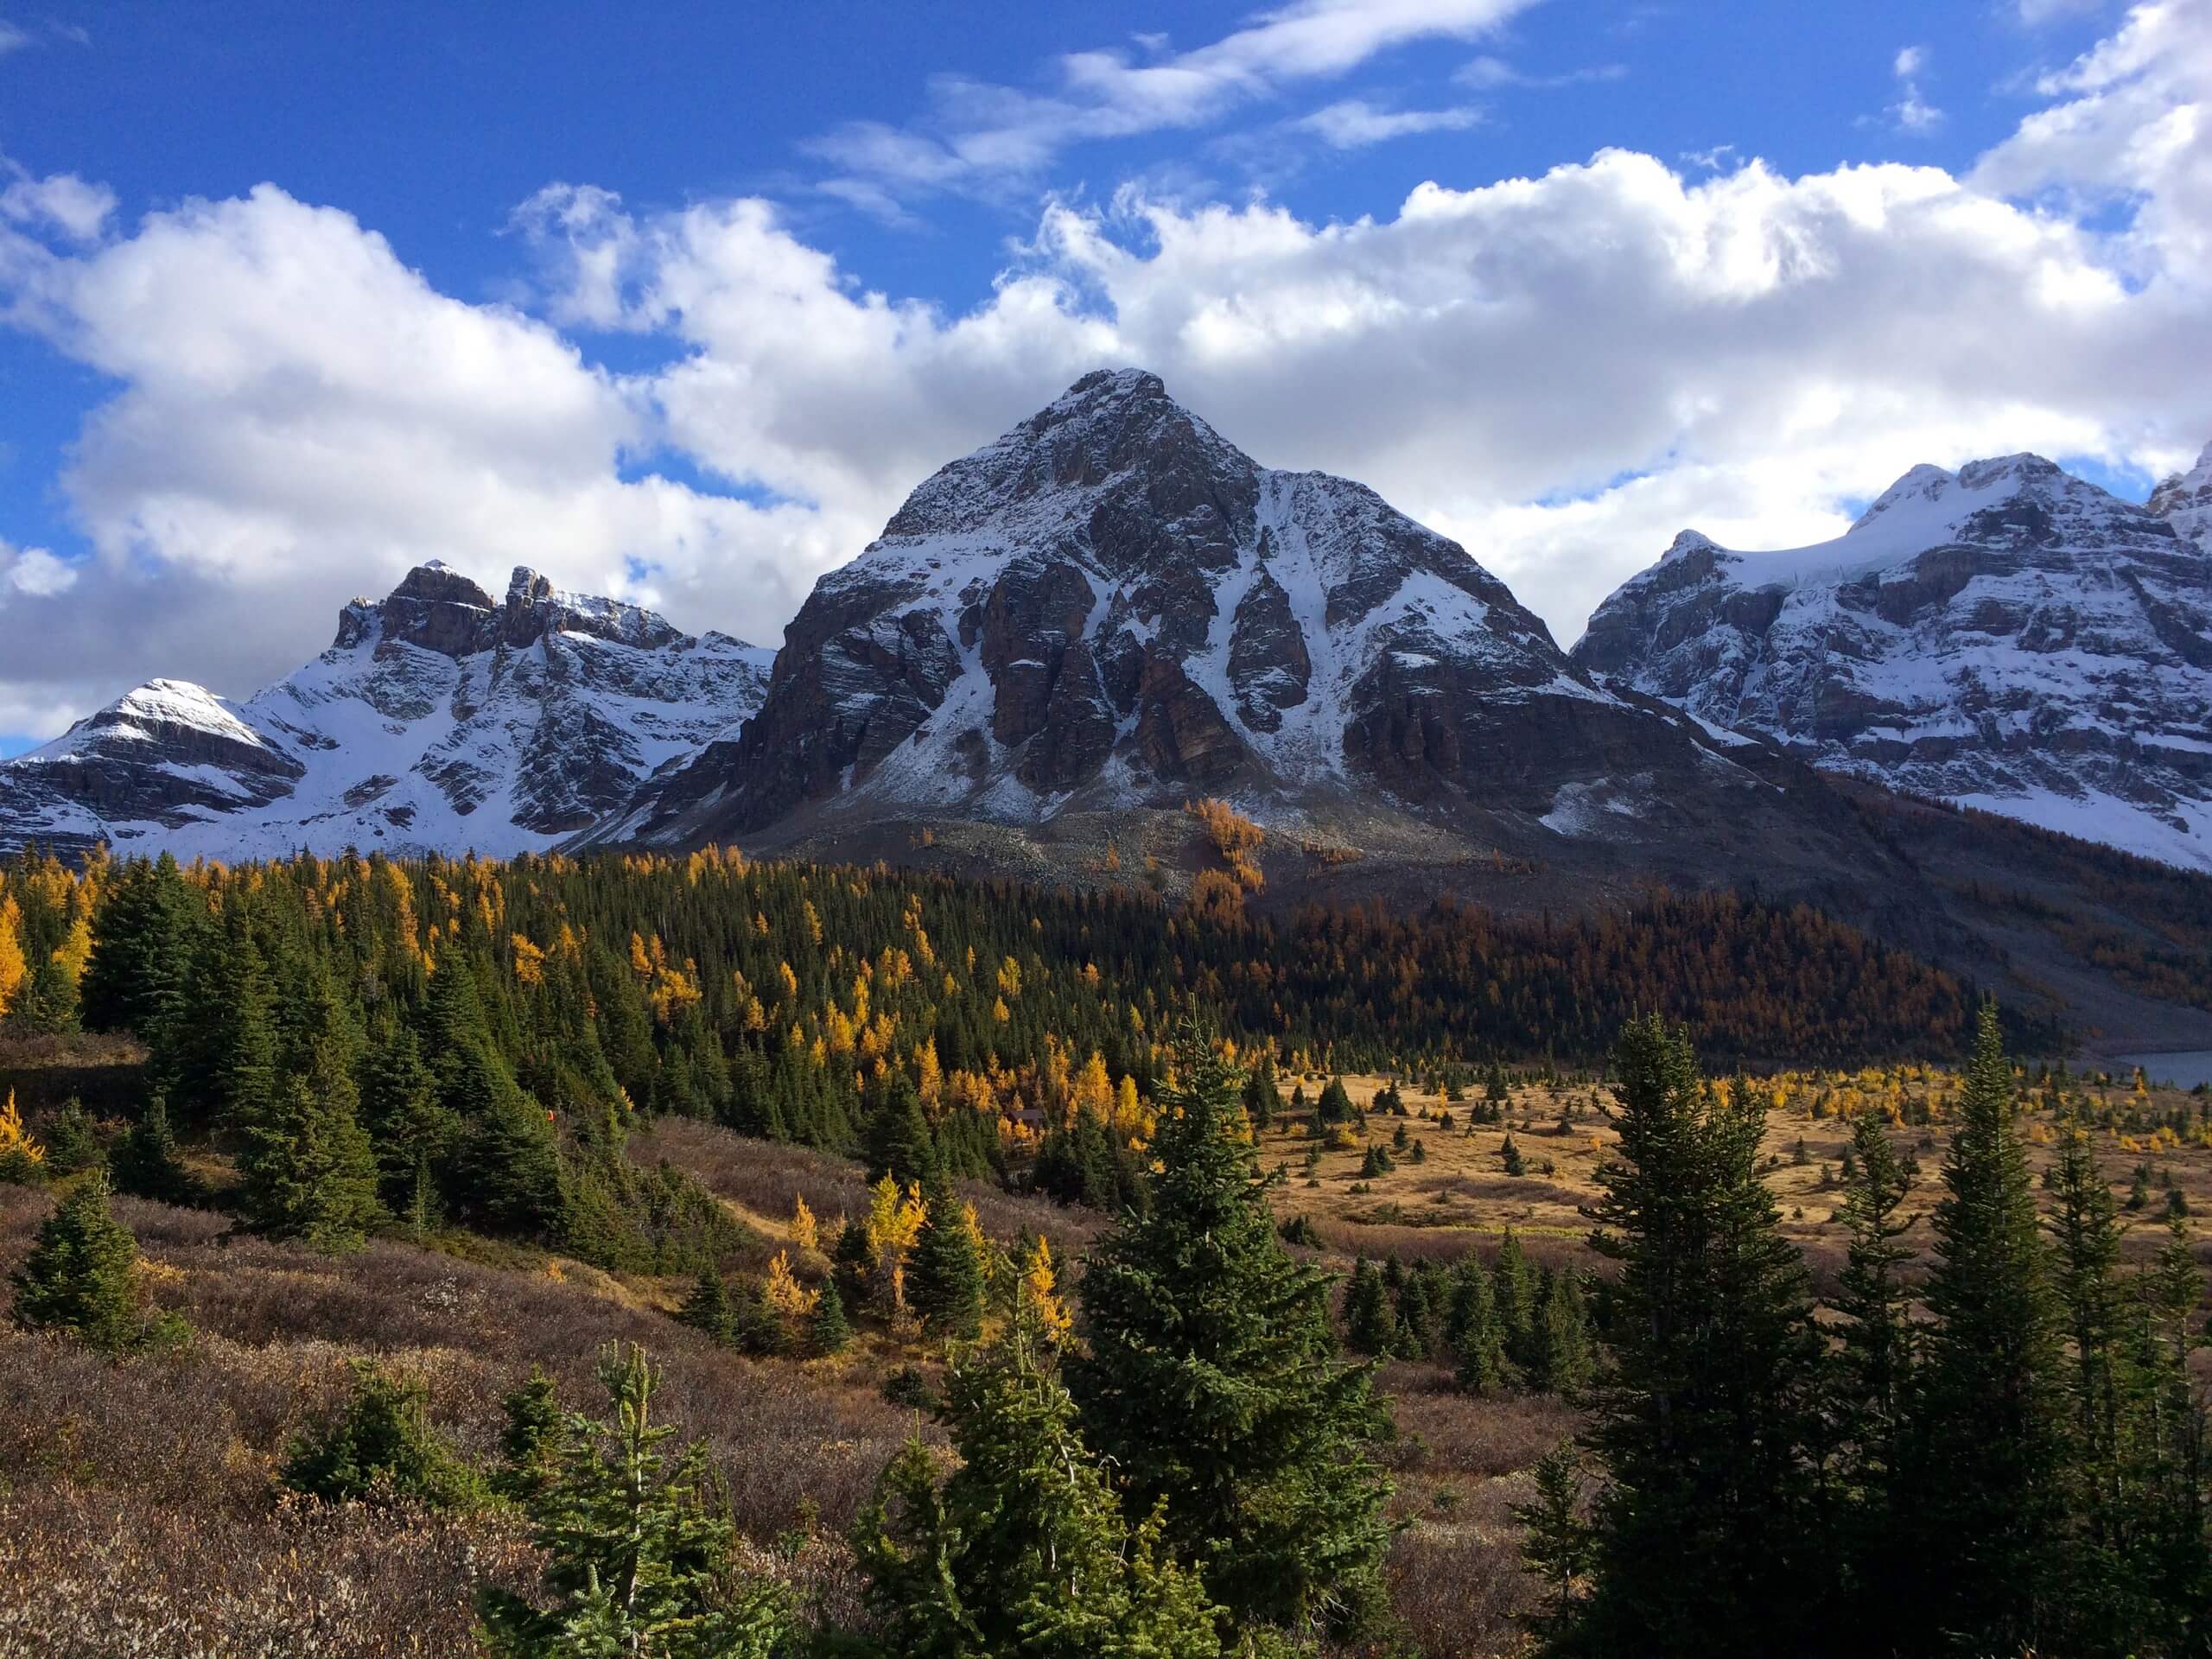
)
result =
(1878, 1347)
(899, 1140)
(1262, 1099)
(1023, 1552)
(1706, 1532)
(2168, 1571)
(944, 1275)
(1515, 1283)
(310, 1173)
(214, 1049)
(1211, 1377)
(1367, 1325)
(2085, 1229)
(1472, 1330)
(408, 1120)
(1988, 1445)
(139, 932)
(1564, 1358)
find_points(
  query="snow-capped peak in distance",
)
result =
(2009, 636)
(439, 720)
(1112, 606)
(2184, 501)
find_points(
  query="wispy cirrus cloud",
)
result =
(982, 136)
(1354, 123)
(1485, 74)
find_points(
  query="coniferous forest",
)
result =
(470, 1214)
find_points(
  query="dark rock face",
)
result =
(1113, 605)
(2009, 635)
(1268, 665)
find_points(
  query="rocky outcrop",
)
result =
(2184, 500)
(2009, 636)
(438, 720)
(1113, 605)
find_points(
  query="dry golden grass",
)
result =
(1461, 1195)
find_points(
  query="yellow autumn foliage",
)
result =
(14, 1140)
(13, 969)
(782, 1292)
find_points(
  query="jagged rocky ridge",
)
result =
(2008, 635)
(439, 720)
(1112, 606)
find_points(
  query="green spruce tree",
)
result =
(637, 1563)
(827, 1331)
(1877, 1348)
(72, 1147)
(1514, 1281)
(1369, 1326)
(1565, 1357)
(79, 1277)
(1023, 1551)
(381, 1448)
(1707, 1530)
(530, 1439)
(944, 1275)
(1472, 1330)
(310, 1173)
(2167, 1571)
(147, 1163)
(708, 1309)
(1987, 1458)
(1211, 1378)
(2103, 1512)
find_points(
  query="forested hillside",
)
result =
(490, 1027)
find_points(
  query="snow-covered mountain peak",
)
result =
(2184, 501)
(1923, 483)
(1687, 544)
(2008, 635)
(438, 720)
(1113, 605)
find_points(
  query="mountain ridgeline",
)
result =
(2007, 636)
(1112, 606)
(438, 720)
(1110, 611)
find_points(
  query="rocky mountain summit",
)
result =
(2008, 635)
(2184, 500)
(439, 720)
(1112, 606)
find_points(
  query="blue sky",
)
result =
(595, 291)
